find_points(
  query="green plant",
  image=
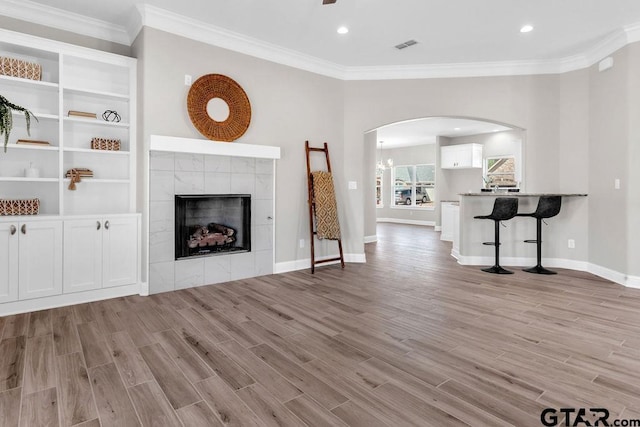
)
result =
(6, 119)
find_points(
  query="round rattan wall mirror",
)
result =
(221, 89)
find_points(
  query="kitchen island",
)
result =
(565, 242)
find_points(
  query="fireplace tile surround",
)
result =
(172, 173)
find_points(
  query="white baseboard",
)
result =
(371, 239)
(355, 258)
(54, 301)
(456, 255)
(614, 276)
(437, 228)
(407, 221)
(303, 264)
(144, 289)
(605, 273)
(633, 282)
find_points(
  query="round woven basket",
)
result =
(212, 86)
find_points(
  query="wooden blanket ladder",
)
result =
(311, 202)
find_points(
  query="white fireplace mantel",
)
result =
(204, 146)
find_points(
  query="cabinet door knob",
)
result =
(98, 225)
(13, 230)
(106, 225)
(24, 228)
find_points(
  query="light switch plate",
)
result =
(353, 185)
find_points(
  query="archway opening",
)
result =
(410, 169)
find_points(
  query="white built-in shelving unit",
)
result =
(80, 79)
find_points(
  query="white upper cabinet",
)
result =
(461, 156)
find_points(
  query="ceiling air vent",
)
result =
(406, 44)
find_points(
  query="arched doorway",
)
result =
(406, 181)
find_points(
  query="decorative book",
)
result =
(85, 114)
(32, 142)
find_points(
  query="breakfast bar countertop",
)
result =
(518, 194)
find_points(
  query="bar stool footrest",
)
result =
(491, 243)
(531, 241)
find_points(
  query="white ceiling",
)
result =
(425, 131)
(448, 32)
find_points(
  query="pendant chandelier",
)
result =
(380, 165)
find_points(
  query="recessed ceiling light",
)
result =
(343, 30)
(496, 130)
(456, 128)
(526, 29)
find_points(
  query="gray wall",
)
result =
(288, 106)
(368, 183)
(613, 142)
(418, 155)
(632, 184)
(528, 102)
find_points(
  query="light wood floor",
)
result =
(410, 338)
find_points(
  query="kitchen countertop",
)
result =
(505, 193)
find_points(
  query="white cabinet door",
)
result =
(476, 155)
(461, 156)
(446, 232)
(448, 157)
(40, 259)
(456, 230)
(8, 262)
(464, 156)
(82, 255)
(120, 252)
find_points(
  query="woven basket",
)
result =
(213, 86)
(105, 144)
(19, 68)
(19, 207)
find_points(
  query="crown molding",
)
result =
(633, 32)
(161, 19)
(53, 17)
(478, 69)
(164, 20)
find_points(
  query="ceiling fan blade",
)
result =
(328, 1)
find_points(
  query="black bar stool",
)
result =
(548, 206)
(504, 208)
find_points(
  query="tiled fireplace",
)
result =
(205, 180)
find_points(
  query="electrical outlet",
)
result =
(301, 243)
(571, 244)
(616, 183)
(187, 80)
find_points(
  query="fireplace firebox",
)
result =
(212, 224)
